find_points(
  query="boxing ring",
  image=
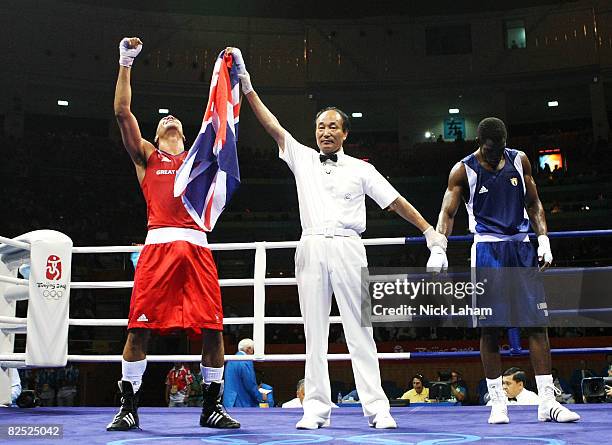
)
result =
(49, 256)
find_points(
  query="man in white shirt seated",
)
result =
(297, 402)
(513, 382)
(15, 383)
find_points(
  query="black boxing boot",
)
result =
(127, 417)
(213, 414)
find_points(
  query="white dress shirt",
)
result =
(293, 403)
(332, 194)
(525, 397)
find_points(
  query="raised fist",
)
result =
(129, 48)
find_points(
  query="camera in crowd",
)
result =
(594, 389)
(441, 390)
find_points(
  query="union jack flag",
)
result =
(210, 175)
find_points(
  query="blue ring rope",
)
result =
(505, 353)
(566, 234)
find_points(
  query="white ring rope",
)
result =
(234, 246)
(124, 321)
(12, 280)
(12, 320)
(13, 243)
(196, 358)
(233, 282)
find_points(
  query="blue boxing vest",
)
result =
(496, 202)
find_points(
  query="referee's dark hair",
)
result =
(518, 375)
(346, 123)
(492, 128)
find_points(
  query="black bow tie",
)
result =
(332, 157)
(512, 399)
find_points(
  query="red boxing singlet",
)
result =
(176, 285)
(163, 209)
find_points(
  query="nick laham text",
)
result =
(431, 310)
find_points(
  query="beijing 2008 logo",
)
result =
(54, 267)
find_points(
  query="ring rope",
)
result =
(366, 241)
(13, 243)
(561, 234)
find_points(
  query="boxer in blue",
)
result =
(501, 198)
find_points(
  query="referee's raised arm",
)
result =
(263, 114)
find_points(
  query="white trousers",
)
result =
(322, 266)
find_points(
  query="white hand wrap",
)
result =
(434, 238)
(239, 61)
(544, 252)
(127, 54)
(437, 261)
(245, 82)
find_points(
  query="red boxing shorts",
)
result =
(176, 287)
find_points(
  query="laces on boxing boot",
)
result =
(127, 417)
(551, 410)
(213, 413)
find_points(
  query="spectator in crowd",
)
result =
(47, 395)
(46, 376)
(241, 389)
(514, 381)
(178, 382)
(458, 387)
(564, 390)
(66, 393)
(419, 393)
(299, 397)
(266, 389)
(67, 385)
(195, 389)
(577, 376)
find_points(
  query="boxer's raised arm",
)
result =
(137, 147)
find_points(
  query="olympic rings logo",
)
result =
(53, 294)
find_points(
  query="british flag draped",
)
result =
(210, 175)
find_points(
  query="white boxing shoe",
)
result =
(499, 414)
(499, 407)
(312, 423)
(382, 421)
(549, 410)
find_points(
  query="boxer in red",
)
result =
(176, 286)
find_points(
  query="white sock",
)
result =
(210, 375)
(133, 371)
(544, 381)
(495, 387)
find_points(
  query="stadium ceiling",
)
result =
(318, 9)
